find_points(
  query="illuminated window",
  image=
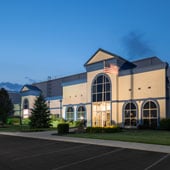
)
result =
(150, 114)
(101, 89)
(70, 114)
(26, 104)
(130, 114)
(81, 113)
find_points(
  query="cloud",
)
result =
(136, 46)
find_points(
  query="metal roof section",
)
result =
(29, 88)
(15, 97)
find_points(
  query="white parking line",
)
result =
(157, 162)
(91, 158)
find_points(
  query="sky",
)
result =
(42, 38)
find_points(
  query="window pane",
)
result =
(127, 113)
(94, 89)
(127, 107)
(153, 113)
(127, 122)
(133, 114)
(94, 98)
(133, 122)
(133, 106)
(146, 122)
(107, 87)
(107, 96)
(152, 105)
(99, 88)
(100, 79)
(146, 106)
(146, 113)
(99, 97)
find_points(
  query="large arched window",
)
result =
(101, 89)
(70, 114)
(130, 114)
(81, 113)
(150, 114)
(26, 104)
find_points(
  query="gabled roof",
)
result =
(102, 55)
(29, 88)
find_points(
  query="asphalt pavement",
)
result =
(44, 151)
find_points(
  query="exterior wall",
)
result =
(55, 107)
(26, 112)
(74, 95)
(17, 109)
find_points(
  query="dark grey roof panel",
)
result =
(147, 62)
(15, 97)
(52, 88)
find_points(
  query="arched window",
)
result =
(70, 114)
(81, 113)
(150, 114)
(130, 114)
(101, 89)
(26, 104)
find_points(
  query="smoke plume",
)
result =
(135, 46)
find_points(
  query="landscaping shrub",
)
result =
(13, 121)
(111, 129)
(63, 128)
(165, 124)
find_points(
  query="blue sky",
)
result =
(41, 38)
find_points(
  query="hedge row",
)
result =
(103, 129)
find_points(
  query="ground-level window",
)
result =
(26, 104)
(150, 114)
(130, 114)
(70, 114)
(81, 113)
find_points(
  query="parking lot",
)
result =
(19, 153)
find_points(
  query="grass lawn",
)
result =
(142, 136)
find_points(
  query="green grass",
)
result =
(23, 128)
(140, 136)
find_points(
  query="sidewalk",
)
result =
(48, 135)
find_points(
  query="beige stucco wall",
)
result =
(55, 106)
(74, 94)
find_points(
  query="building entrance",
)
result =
(101, 114)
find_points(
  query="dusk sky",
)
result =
(41, 38)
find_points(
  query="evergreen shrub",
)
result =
(63, 128)
(165, 124)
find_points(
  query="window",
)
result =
(130, 114)
(81, 113)
(101, 89)
(25, 104)
(150, 114)
(70, 114)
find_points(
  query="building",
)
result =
(113, 90)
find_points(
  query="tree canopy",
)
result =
(40, 114)
(6, 105)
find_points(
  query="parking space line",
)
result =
(157, 162)
(88, 159)
(46, 153)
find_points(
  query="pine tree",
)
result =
(40, 114)
(6, 106)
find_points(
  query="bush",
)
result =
(25, 121)
(111, 129)
(13, 121)
(63, 128)
(165, 124)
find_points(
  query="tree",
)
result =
(40, 114)
(6, 106)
